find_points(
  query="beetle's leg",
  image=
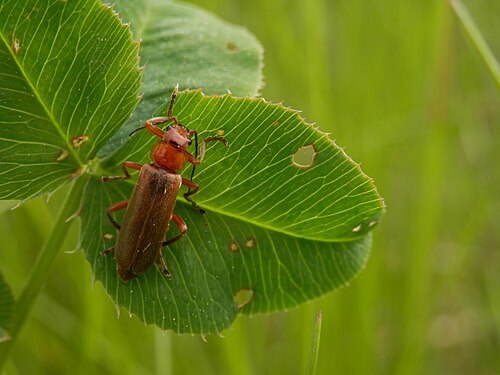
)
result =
(195, 187)
(172, 100)
(210, 139)
(181, 225)
(151, 124)
(163, 266)
(125, 165)
(197, 161)
(114, 208)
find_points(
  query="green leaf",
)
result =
(269, 232)
(183, 44)
(6, 308)
(68, 81)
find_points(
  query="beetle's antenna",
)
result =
(172, 100)
(195, 154)
(135, 131)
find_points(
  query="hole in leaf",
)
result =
(357, 229)
(243, 297)
(220, 132)
(108, 236)
(79, 140)
(250, 242)
(234, 247)
(231, 47)
(304, 157)
(16, 46)
(62, 155)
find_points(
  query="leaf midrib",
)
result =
(41, 101)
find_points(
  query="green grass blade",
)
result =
(312, 360)
(42, 267)
(477, 38)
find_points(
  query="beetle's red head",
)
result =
(178, 136)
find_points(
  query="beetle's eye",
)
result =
(190, 141)
(170, 127)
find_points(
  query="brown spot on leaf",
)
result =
(16, 46)
(231, 47)
(250, 242)
(234, 247)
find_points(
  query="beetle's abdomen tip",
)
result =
(126, 275)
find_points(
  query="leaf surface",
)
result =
(68, 80)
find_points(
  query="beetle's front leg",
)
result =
(125, 165)
(193, 188)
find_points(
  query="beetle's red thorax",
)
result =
(168, 157)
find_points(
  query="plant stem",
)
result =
(42, 268)
(477, 38)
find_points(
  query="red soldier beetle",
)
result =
(151, 206)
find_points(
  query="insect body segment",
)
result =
(151, 206)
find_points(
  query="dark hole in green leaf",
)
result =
(243, 297)
(79, 140)
(304, 157)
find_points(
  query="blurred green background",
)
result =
(400, 85)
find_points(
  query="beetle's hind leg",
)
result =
(163, 266)
(113, 208)
(181, 225)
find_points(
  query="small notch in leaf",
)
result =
(304, 157)
(79, 140)
(243, 297)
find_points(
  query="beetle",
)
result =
(150, 208)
